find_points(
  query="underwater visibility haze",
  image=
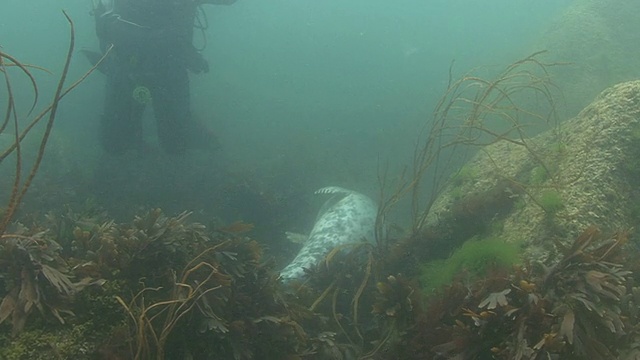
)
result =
(461, 120)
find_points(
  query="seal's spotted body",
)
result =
(347, 218)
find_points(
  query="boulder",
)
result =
(584, 172)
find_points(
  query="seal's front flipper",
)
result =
(296, 238)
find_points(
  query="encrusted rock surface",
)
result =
(594, 162)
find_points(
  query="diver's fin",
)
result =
(296, 238)
(94, 57)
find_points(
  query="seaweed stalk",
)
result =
(19, 190)
(459, 125)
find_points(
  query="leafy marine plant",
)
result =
(154, 323)
(195, 291)
(34, 276)
(337, 286)
(571, 310)
(147, 247)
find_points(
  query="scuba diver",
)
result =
(152, 52)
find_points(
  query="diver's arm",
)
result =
(123, 32)
(113, 28)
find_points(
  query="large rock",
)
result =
(594, 165)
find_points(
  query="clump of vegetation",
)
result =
(538, 175)
(466, 173)
(557, 149)
(475, 214)
(473, 259)
(35, 276)
(581, 307)
(551, 201)
(171, 289)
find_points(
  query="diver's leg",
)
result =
(171, 108)
(121, 123)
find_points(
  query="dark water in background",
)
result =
(301, 94)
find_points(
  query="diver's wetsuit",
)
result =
(152, 49)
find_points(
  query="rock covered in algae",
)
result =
(584, 172)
